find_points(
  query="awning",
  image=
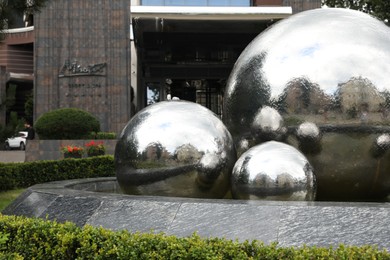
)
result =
(211, 12)
(194, 19)
(20, 77)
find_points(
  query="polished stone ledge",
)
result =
(288, 223)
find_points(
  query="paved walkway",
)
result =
(12, 156)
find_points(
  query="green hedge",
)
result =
(66, 123)
(23, 175)
(42, 239)
(102, 135)
(32, 238)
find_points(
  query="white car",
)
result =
(16, 142)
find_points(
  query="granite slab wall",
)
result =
(82, 59)
(37, 150)
(291, 223)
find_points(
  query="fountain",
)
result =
(318, 81)
(309, 97)
(175, 148)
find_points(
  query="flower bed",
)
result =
(37, 150)
(95, 148)
(72, 151)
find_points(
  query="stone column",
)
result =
(82, 59)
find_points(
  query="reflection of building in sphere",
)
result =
(175, 148)
(285, 181)
(274, 171)
(188, 153)
(334, 77)
(360, 94)
(302, 96)
(153, 151)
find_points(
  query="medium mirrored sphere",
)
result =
(327, 67)
(175, 148)
(273, 171)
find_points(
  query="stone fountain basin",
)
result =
(85, 201)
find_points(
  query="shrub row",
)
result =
(42, 239)
(102, 135)
(23, 175)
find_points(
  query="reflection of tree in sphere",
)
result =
(334, 77)
(175, 148)
(273, 171)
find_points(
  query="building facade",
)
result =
(187, 51)
(89, 54)
(17, 71)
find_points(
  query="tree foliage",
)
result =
(11, 8)
(377, 8)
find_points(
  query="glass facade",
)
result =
(196, 2)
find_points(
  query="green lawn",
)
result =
(7, 197)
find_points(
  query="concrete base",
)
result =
(12, 156)
(288, 223)
(51, 149)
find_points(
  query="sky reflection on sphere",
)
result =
(310, 64)
(273, 171)
(326, 72)
(175, 148)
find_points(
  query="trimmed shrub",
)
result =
(66, 123)
(24, 175)
(102, 135)
(42, 239)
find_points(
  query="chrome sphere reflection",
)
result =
(273, 171)
(175, 148)
(335, 77)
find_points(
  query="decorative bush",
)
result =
(43, 239)
(102, 135)
(66, 123)
(23, 175)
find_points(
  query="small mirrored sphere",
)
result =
(325, 71)
(268, 125)
(175, 148)
(273, 171)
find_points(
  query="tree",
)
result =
(377, 8)
(9, 9)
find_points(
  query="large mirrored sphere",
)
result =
(273, 171)
(329, 68)
(175, 148)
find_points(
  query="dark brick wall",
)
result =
(19, 59)
(84, 32)
(302, 5)
(3, 80)
(296, 5)
(267, 2)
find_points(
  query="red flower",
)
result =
(93, 147)
(69, 149)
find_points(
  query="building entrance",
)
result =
(206, 92)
